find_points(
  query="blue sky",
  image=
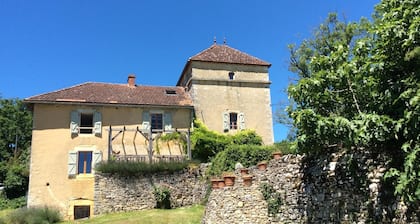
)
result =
(49, 45)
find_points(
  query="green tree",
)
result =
(15, 141)
(359, 88)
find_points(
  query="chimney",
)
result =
(131, 80)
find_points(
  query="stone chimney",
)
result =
(131, 80)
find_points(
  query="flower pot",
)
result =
(221, 183)
(229, 180)
(247, 180)
(276, 155)
(244, 171)
(262, 165)
(215, 183)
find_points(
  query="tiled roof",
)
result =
(226, 54)
(105, 93)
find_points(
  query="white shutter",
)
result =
(146, 120)
(241, 118)
(167, 120)
(74, 122)
(97, 157)
(226, 121)
(97, 123)
(72, 163)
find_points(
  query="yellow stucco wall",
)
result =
(213, 94)
(52, 141)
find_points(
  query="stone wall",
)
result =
(114, 193)
(336, 188)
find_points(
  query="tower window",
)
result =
(231, 75)
(233, 121)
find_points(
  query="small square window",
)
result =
(81, 211)
(231, 75)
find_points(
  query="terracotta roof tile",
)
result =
(226, 54)
(106, 93)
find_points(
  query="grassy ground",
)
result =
(186, 215)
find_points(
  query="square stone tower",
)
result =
(230, 91)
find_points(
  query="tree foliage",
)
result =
(359, 88)
(15, 141)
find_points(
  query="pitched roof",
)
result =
(106, 93)
(226, 54)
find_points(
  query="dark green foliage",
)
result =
(285, 147)
(359, 88)
(247, 155)
(272, 197)
(206, 144)
(129, 168)
(41, 215)
(163, 197)
(12, 203)
(15, 127)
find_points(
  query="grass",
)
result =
(185, 215)
(5, 212)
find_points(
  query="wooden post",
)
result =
(150, 137)
(189, 144)
(109, 142)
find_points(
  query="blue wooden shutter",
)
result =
(97, 123)
(72, 163)
(74, 122)
(241, 119)
(167, 120)
(146, 120)
(226, 120)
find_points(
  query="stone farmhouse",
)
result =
(77, 127)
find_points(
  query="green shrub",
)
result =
(133, 168)
(285, 147)
(247, 155)
(272, 197)
(39, 215)
(11, 203)
(206, 144)
(162, 197)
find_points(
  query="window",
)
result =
(81, 211)
(86, 122)
(170, 92)
(84, 162)
(233, 121)
(156, 121)
(231, 75)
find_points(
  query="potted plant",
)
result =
(277, 155)
(247, 180)
(229, 178)
(262, 165)
(221, 183)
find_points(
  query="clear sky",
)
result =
(49, 45)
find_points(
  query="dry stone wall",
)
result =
(114, 193)
(336, 188)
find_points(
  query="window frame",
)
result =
(233, 123)
(156, 125)
(87, 162)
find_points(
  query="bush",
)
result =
(39, 215)
(11, 203)
(134, 168)
(206, 144)
(163, 197)
(247, 155)
(285, 147)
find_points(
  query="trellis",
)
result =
(148, 135)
